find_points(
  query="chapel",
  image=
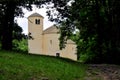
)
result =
(46, 42)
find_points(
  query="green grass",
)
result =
(18, 66)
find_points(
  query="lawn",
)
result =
(23, 66)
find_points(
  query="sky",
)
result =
(23, 22)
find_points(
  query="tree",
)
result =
(98, 23)
(19, 41)
(10, 9)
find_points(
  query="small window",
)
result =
(37, 21)
(57, 54)
(51, 42)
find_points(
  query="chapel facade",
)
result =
(46, 42)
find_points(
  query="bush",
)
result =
(21, 45)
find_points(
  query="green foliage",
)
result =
(0, 45)
(98, 23)
(8, 10)
(20, 45)
(17, 66)
(86, 49)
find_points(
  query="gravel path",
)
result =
(103, 72)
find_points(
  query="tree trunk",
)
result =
(8, 21)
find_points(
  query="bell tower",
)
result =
(35, 29)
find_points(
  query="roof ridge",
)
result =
(49, 29)
(36, 15)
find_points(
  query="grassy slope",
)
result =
(16, 66)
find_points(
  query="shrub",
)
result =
(21, 45)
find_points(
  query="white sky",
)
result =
(23, 22)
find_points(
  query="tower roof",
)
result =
(36, 15)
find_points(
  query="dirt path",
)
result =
(103, 72)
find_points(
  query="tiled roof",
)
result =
(70, 41)
(52, 29)
(36, 15)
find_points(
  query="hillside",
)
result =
(19, 66)
(23, 66)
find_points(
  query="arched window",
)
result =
(51, 42)
(37, 21)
